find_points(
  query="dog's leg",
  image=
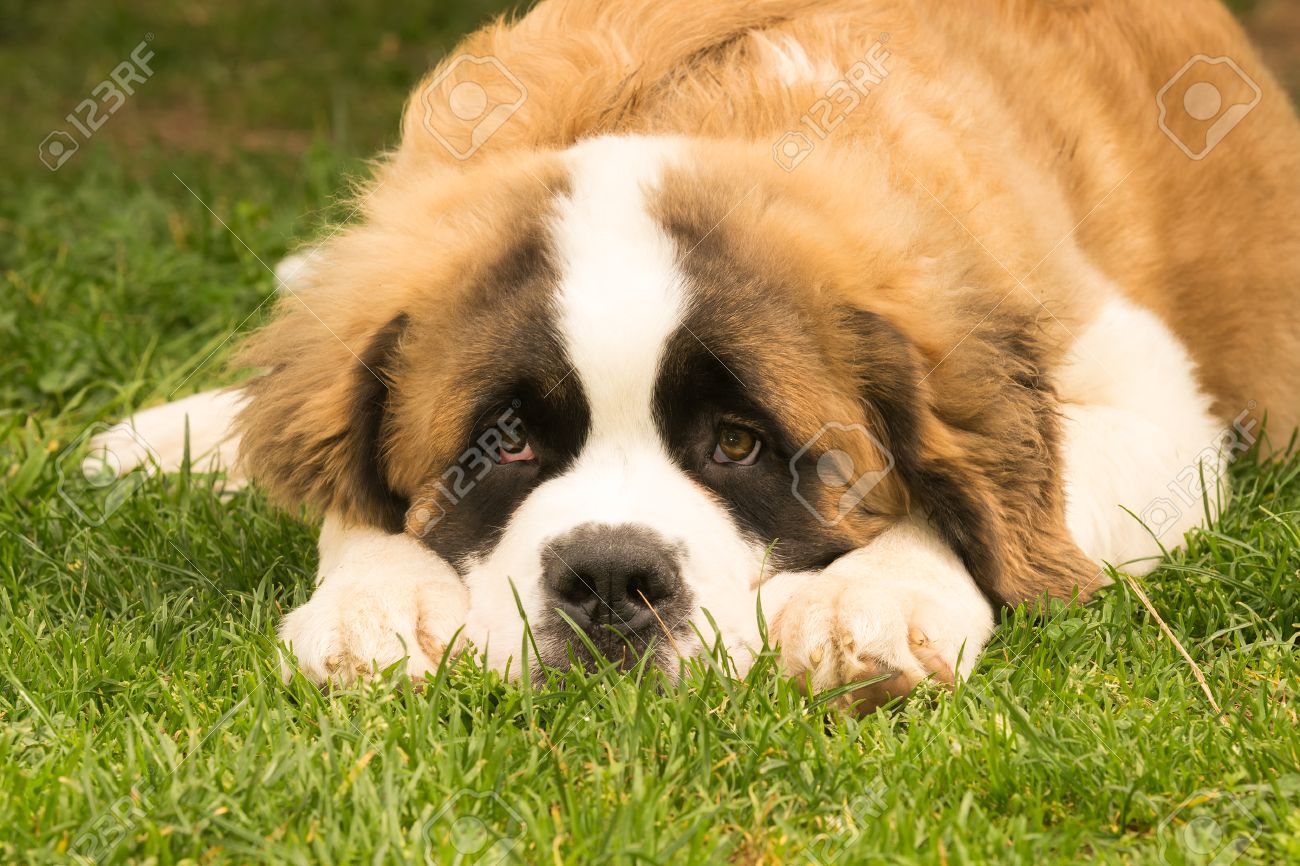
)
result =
(154, 439)
(379, 598)
(904, 608)
(1139, 439)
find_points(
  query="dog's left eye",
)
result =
(736, 445)
(515, 447)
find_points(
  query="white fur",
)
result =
(155, 438)
(292, 273)
(380, 598)
(621, 293)
(1137, 426)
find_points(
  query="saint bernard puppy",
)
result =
(877, 315)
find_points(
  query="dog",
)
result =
(862, 319)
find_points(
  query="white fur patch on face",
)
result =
(620, 299)
(621, 293)
(1139, 437)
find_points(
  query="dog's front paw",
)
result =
(834, 633)
(385, 600)
(897, 612)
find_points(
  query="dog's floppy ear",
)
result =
(312, 429)
(977, 447)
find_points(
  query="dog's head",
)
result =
(619, 386)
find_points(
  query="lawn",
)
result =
(142, 718)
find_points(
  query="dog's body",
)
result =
(978, 307)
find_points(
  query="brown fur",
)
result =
(939, 207)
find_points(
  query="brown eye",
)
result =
(736, 445)
(515, 446)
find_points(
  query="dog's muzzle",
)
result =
(620, 583)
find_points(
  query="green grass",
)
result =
(141, 715)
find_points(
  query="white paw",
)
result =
(385, 599)
(833, 633)
(156, 439)
(898, 611)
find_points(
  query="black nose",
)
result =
(620, 578)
